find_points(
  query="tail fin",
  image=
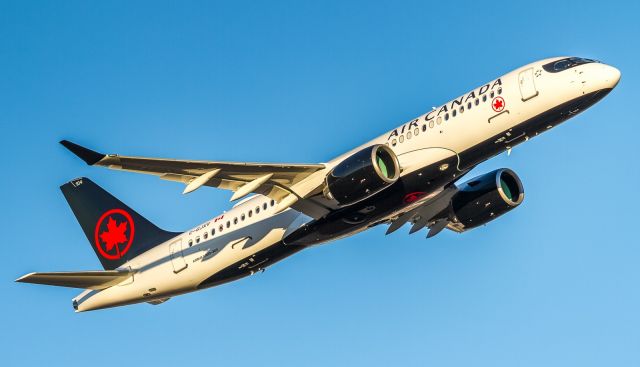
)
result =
(116, 232)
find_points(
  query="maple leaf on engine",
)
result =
(114, 235)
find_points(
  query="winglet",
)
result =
(87, 155)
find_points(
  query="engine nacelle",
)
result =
(485, 198)
(362, 174)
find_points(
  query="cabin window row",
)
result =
(447, 116)
(228, 224)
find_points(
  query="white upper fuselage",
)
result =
(490, 111)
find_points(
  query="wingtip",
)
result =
(23, 278)
(89, 156)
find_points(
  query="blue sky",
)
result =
(553, 283)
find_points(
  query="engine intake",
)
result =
(362, 175)
(485, 198)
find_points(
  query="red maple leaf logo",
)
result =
(498, 104)
(114, 235)
(411, 197)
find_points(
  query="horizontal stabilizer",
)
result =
(99, 279)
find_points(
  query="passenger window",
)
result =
(257, 210)
(235, 220)
(416, 131)
(454, 113)
(197, 239)
(206, 235)
(461, 109)
(409, 135)
(446, 117)
(477, 101)
(401, 138)
(242, 217)
(250, 213)
(220, 228)
(228, 224)
(424, 127)
(499, 90)
(273, 202)
(394, 142)
(492, 94)
(213, 232)
(439, 120)
(264, 206)
(190, 243)
(431, 124)
(484, 98)
(469, 105)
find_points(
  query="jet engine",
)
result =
(362, 174)
(485, 198)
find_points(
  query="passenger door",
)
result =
(177, 260)
(527, 85)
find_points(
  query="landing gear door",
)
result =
(527, 85)
(177, 260)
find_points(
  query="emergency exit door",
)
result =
(527, 84)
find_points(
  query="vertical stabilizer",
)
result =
(116, 232)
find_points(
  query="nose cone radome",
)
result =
(610, 76)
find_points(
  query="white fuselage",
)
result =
(490, 111)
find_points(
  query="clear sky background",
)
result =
(553, 283)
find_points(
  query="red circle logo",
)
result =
(411, 197)
(114, 234)
(498, 104)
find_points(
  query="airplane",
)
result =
(409, 175)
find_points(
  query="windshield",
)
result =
(564, 64)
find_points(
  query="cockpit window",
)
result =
(564, 64)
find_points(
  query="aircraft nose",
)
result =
(610, 76)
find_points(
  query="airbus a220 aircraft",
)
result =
(407, 175)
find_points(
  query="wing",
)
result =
(99, 279)
(284, 182)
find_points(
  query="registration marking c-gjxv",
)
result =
(408, 175)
